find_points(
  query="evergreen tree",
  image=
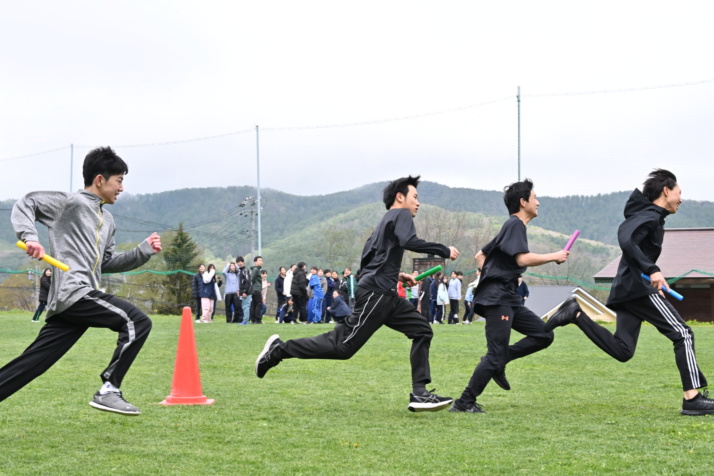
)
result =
(179, 256)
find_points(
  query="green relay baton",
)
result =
(428, 272)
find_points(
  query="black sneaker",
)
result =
(565, 315)
(699, 405)
(459, 407)
(113, 402)
(428, 402)
(267, 358)
(500, 378)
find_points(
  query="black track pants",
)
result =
(372, 311)
(661, 314)
(499, 322)
(62, 330)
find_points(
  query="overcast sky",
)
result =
(349, 93)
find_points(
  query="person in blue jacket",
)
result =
(339, 309)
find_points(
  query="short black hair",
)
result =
(102, 161)
(301, 265)
(401, 185)
(240, 259)
(255, 260)
(513, 193)
(655, 183)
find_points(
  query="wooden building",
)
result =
(688, 259)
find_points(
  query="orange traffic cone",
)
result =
(186, 387)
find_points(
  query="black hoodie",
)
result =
(640, 237)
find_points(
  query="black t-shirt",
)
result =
(499, 275)
(382, 254)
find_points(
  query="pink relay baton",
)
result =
(572, 240)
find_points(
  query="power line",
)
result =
(7, 159)
(378, 121)
(180, 141)
(384, 121)
(622, 90)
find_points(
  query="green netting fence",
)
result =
(579, 282)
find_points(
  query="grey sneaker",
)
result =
(268, 358)
(113, 402)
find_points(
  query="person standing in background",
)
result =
(454, 297)
(522, 289)
(196, 286)
(45, 282)
(256, 305)
(280, 291)
(230, 272)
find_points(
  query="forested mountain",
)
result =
(222, 221)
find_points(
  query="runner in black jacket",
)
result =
(640, 237)
(377, 303)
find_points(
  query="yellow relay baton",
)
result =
(49, 259)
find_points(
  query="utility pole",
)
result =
(249, 203)
(257, 155)
(518, 100)
(71, 166)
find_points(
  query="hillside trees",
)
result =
(17, 292)
(179, 255)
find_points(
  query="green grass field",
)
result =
(572, 410)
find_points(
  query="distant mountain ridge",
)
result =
(214, 218)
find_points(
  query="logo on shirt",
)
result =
(504, 318)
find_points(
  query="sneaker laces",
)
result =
(705, 395)
(429, 396)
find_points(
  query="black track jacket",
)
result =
(382, 254)
(640, 237)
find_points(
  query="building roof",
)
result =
(683, 250)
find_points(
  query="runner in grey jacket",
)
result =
(81, 234)
(88, 249)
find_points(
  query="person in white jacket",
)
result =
(442, 297)
(288, 281)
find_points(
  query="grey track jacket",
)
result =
(81, 234)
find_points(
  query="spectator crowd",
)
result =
(317, 295)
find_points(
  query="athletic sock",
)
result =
(419, 389)
(107, 388)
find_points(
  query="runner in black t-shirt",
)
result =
(377, 303)
(501, 262)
